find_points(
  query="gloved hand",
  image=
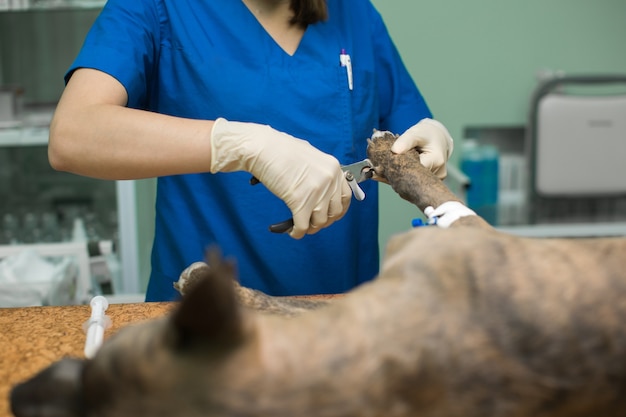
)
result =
(308, 180)
(433, 141)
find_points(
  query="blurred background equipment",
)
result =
(576, 149)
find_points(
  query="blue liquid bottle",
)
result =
(480, 163)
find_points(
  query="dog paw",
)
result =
(191, 275)
(386, 163)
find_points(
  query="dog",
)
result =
(462, 320)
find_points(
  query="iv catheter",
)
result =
(95, 326)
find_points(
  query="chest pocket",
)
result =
(364, 107)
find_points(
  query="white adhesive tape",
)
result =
(447, 213)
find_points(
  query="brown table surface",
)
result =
(32, 338)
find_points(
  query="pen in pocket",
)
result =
(345, 61)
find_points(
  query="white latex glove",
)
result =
(308, 180)
(434, 144)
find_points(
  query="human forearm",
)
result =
(94, 134)
(113, 142)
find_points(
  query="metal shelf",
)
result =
(24, 136)
(29, 5)
(32, 129)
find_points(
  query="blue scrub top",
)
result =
(210, 59)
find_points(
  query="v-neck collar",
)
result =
(269, 37)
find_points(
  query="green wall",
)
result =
(476, 62)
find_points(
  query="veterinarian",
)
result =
(206, 94)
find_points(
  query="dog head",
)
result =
(150, 367)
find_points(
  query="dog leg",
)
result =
(256, 300)
(410, 179)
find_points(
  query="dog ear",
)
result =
(55, 391)
(209, 313)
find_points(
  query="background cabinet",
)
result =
(38, 42)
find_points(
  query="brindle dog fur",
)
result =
(464, 321)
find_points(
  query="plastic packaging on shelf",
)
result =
(28, 279)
